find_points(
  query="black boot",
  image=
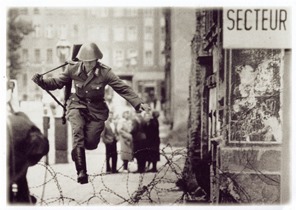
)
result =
(78, 156)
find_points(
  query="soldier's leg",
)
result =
(93, 130)
(77, 123)
(78, 151)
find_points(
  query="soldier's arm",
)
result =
(56, 82)
(123, 89)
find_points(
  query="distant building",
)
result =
(131, 39)
(180, 28)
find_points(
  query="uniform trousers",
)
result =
(85, 131)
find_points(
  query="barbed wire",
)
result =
(130, 188)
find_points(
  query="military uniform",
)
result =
(87, 109)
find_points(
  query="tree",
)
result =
(17, 29)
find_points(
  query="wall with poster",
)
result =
(256, 78)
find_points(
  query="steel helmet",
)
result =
(89, 52)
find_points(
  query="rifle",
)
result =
(68, 86)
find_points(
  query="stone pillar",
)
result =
(61, 141)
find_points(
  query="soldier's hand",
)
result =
(144, 107)
(37, 78)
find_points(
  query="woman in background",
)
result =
(125, 138)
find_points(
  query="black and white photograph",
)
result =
(148, 105)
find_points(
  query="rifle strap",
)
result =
(59, 103)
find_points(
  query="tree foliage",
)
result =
(17, 29)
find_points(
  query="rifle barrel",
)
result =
(66, 63)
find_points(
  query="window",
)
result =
(148, 53)
(132, 33)
(148, 33)
(148, 12)
(49, 56)
(104, 12)
(148, 58)
(25, 55)
(99, 12)
(23, 11)
(37, 31)
(118, 12)
(118, 33)
(37, 56)
(132, 12)
(118, 58)
(132, 56)
(36, 11)
(212, 116)
(49, 31)
(132, 53)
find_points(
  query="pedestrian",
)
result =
(153, 141)
(125, 139)
(140, 140)
(109, 137)
(86, 108)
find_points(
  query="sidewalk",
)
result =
(56, 184)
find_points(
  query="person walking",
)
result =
(109, 137)
(86, 108)
(125, 140)
(153, 141)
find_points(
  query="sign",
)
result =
(257, 28)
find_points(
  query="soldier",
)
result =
(86, 108)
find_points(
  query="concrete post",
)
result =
(45, 132)
(61, 141)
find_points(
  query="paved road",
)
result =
(56, 184)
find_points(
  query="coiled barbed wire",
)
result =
(150, 189)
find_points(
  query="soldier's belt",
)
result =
(89, 100)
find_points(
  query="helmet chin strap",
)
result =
(92, 67)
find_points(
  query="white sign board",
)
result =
(257, 28)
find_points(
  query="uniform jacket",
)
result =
(90, 89)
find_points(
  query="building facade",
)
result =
(131, 39)
(238, 126)
(238, 116)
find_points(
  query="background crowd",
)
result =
(133, 137)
